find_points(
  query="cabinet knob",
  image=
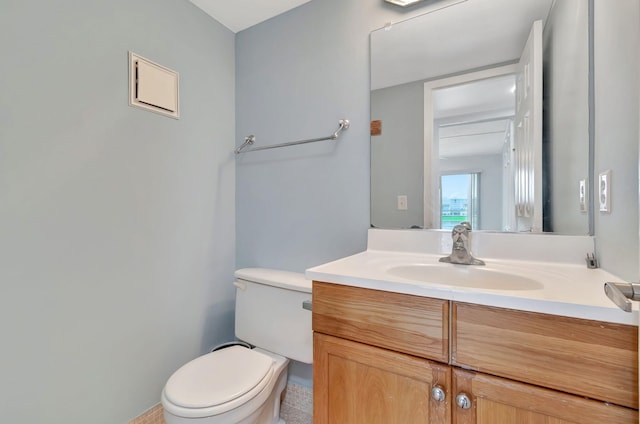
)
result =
(463, 401)
(438, 394)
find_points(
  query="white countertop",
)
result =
(567, 289)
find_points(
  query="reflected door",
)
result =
(459, 200)
(528, 135)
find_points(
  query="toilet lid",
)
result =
(217, 377)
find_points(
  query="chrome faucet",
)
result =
(461, 250)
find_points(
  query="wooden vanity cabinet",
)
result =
(495, 400)
(595, 359)
(371, 352)
(356, 383)
(403, 323)
(378, 355)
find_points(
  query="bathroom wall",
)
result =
(297, 75)
(116, 224)
(617, 49)
(566, 111)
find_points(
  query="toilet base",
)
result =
(264, 408)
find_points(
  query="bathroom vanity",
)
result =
(392, 349)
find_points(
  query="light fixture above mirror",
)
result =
(436, 4)
(403, 3)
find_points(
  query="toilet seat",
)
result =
(217, 382)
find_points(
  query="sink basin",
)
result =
(465, 276)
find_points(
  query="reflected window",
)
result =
(459, 199)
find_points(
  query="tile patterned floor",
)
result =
(297, 405)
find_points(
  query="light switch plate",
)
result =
(402, 202)
(604, 191)
(582, 195)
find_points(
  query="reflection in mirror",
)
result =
(463, 133)
(471, 130)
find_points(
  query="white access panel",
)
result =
(153, 87)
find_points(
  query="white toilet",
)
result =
(237, 385)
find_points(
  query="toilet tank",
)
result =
(269, 312)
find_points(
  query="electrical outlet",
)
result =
(402, 202)
(582, 196)
(604, 191)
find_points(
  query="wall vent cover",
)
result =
(153, 87)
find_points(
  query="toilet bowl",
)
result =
(239, 385)
(233, 385)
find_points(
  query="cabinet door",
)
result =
(356, 383)
(497, 400)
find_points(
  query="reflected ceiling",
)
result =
(476, 24)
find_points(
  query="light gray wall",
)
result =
(566, 103)
(617, 46)
(397, 156)
(297, 75)
(117, 224)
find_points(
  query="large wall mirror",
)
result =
(480, 113)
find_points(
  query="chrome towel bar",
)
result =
(343, 124)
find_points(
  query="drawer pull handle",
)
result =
(307, 305)
(438, 394)
(463, 401)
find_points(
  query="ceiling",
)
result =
(242, 14)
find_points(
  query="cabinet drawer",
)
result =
(410, 324)
(589, 358)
